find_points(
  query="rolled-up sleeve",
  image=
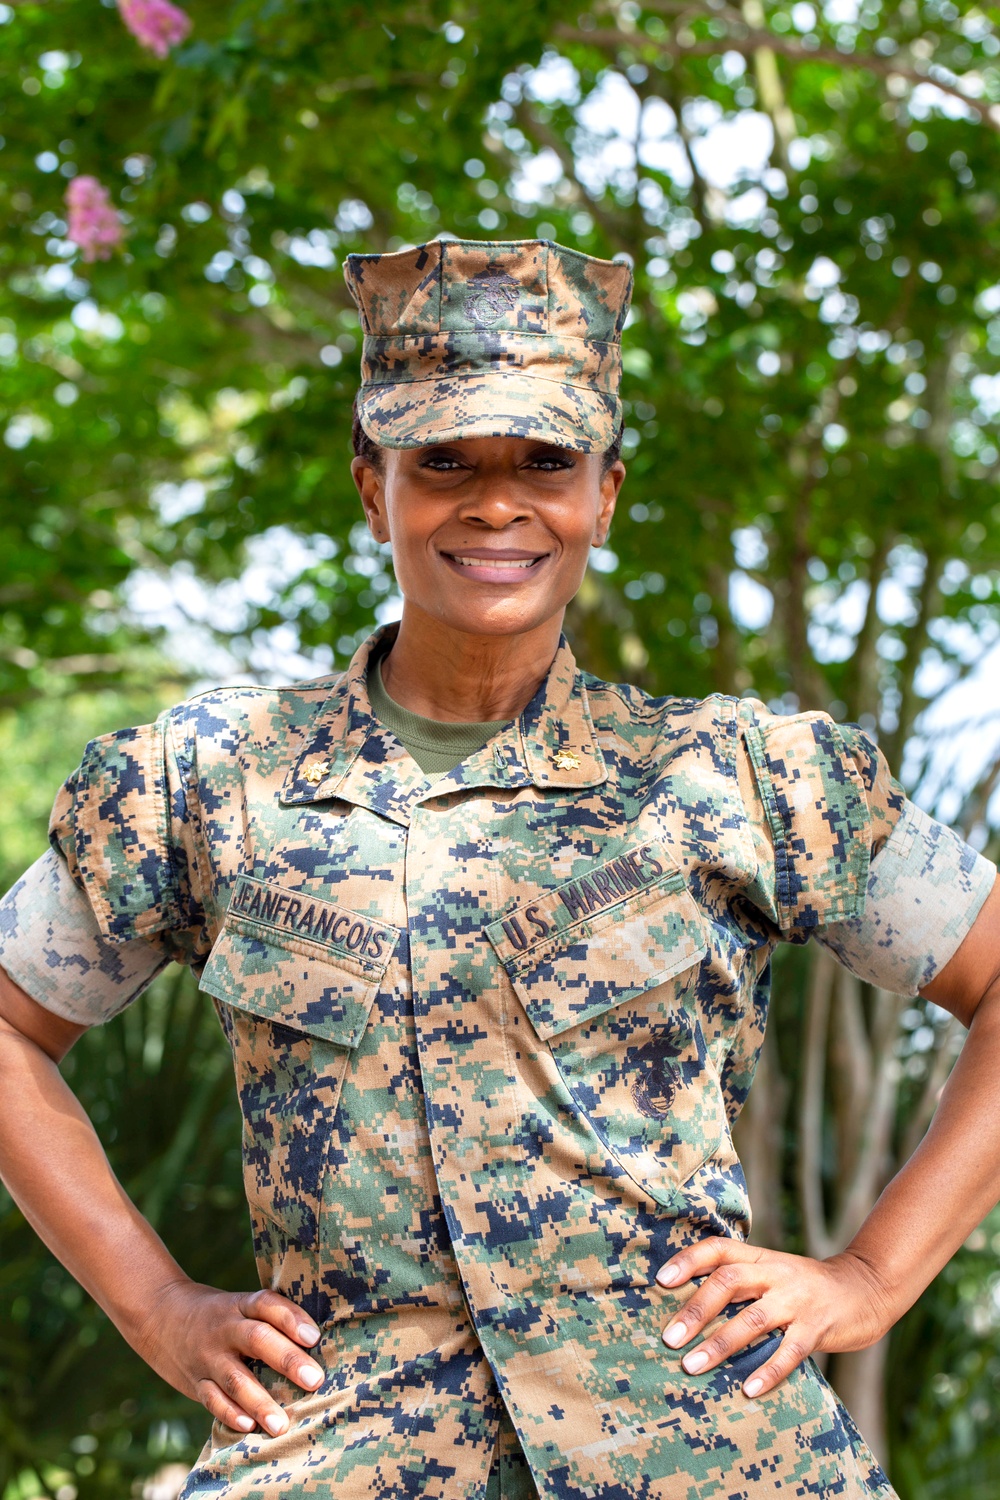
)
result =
(925, 888)
(845, 857)
(52, 946)
(117, 896)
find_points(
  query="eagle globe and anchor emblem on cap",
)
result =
(489, 294)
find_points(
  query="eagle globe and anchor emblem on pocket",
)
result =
(656, 1073)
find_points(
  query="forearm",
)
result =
(929, 1208)
(952, 1180)
(195, 1336)
(57, 1172)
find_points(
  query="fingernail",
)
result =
(667, 1275)
(694, 1363)
(752, 1387)
(309, 1375)
(245, 1424)
(275, 1423)
(676, 1335)
(307, 1333)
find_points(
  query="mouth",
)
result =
(499, 565)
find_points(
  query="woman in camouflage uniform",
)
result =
(490, 940)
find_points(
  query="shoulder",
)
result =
(618, 706)
(812, 747)
(809, 745)
(269, 714)
(822, 802)
(665, 736)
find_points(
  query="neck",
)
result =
(446, 674)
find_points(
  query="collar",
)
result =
(348, 754)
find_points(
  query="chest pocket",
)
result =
(297, 978)
(610, 985)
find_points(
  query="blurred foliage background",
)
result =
(808, 194)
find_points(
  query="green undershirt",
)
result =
(435, 745)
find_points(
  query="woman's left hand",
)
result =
(834, 1305)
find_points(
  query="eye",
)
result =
(551, 462)
(442, 462)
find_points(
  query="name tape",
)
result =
(307, 917)
(605, 885)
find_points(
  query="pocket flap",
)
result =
(622, 928)
(288, 957)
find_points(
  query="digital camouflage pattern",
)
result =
(464, 339)
(924, 881)
(491, 1033)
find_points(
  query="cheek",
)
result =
(577, 535)
(410, 531)
(574, 517)
(409, 563)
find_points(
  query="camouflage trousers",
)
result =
(411, 1408)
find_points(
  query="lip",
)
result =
(508, 565)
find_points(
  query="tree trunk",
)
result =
(849, 1089)
(758, 1137)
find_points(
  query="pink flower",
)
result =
(93, 223)
(155, 24)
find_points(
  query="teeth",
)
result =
(489, 562)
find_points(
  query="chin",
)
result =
(499, 619)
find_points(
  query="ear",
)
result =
(371, 488)
(611, 483)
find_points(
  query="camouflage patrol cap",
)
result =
(466, 338)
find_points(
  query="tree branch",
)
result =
(757, 1135)
(549, 138)
(937, 1076)
(917, 639)
(699, 187)
(863, 694)
(873, 1165)
(852, 1067)
(977, 800)
(819, 1243)
(772, 95)
(748, 46)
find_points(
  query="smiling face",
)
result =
(490, 536)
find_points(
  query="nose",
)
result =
(494, 502)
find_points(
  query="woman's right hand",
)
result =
(198, 1338)
(54, 1167)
